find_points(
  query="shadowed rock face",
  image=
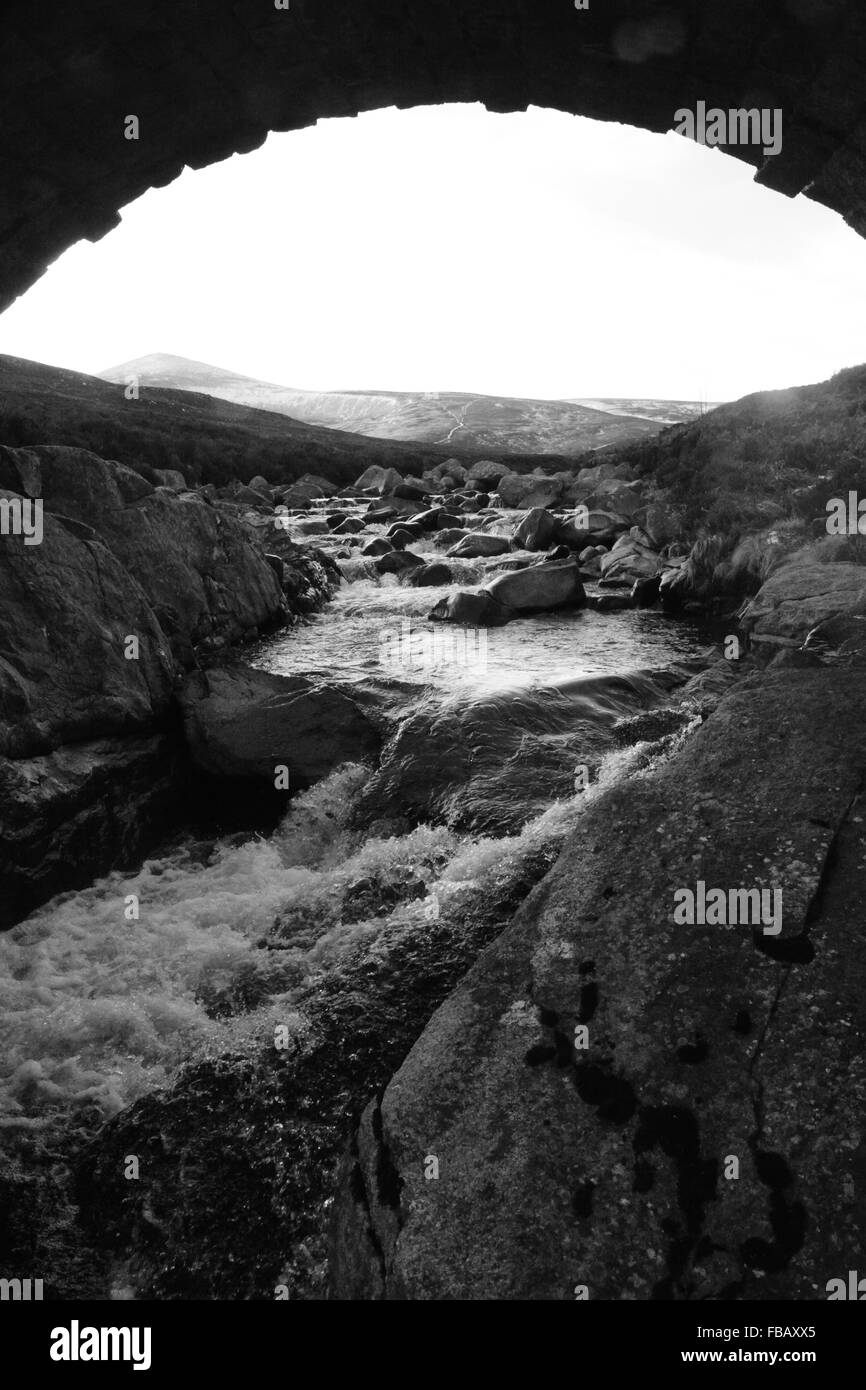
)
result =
(118, 557)
(207, 82)
(89, 761)
(609, 1165)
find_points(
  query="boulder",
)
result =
(452, 471)
(297, 499)
(429, 520)
(243, 725)
(398, 562)
(590, 526)
(585, 1085)
(529, 490)
(592, 554)
(202, 577)
(170, 477)
(379, 480)
(317, 485)
(413, 491)
(253, 499)
(68, 607)
(262, 486)
(471, 608)
(629, 559)
(536, 531)
(487, 472)
(377, 515)
(400, 537)
(402, 506)
(803, 597)
(539, 587)
(378, 546)
(351, 526)
(449, 537)
(452, 468)
(479, 543)
(603, 472)
(82, 810)
(127, 584)
(431, 576)
(613, 496)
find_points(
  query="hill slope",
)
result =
(208, 439)
(768, 455)
(452, 418)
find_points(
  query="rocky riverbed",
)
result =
(390, 806)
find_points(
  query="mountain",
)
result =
(454, 419)
(661, 412)
(207, 438)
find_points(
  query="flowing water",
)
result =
(100, 1005)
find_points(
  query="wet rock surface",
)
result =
(129, 585)
(605, 1158)
(240, 1155)
(809, 603)
(243, 725)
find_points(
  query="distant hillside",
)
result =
(771, 454)
(208, 439)
(660, 412)
(453, 419)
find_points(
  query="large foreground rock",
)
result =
(243, 724)
(539, 587)
(81, 811)
(202, 579)
(805, 601)
(68, 607)
(127, 586)
(702, 1139)
(531, 590)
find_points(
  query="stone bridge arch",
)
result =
(211, 78)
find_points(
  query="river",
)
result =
(100, 1002)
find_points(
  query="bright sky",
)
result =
(445, 248)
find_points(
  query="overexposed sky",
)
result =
(446, 248)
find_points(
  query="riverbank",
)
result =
(222, 1012)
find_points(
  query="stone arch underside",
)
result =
(211, 78)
